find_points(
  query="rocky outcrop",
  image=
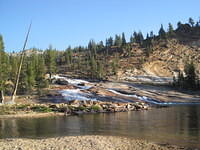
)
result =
(75, 107)
(82, 107)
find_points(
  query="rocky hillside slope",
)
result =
(167, 58)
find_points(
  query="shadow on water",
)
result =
(175, 125)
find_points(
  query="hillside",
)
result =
(167, 56)
(152, 58)
(166, 60)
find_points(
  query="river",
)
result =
(178, 125)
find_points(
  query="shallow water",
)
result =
(178, 125)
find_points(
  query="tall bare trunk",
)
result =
(1, 97)
(20, 67)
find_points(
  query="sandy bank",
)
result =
(82, 143)
(31, 115)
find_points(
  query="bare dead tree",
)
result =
(1, 97)
(20, 66)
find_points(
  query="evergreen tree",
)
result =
(140, 38)
(170, 30)
(191, 21)
(23, 81)
(92, 46)
(40, 74)
(115, 64)
(197, 24)
(13, 61)
(123, 39)
(50, 60)
(179, 24)
(181, 80)
(109, 42)
(100, 46)
(68, 56)
(137, 38)
(118, 40)
(151, 34)
(147, 37)
(3, 69)
(135, 35)
(30, 76)
(132, 39)
(190, 79)
(162, 33)
(100, 70)
(93, 66)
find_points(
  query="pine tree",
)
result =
(109, 42)
(179, 24)
(100, 70)
(190, 75)
(170, 30)
(118, 40)
(151, 34)
(30, 76)
(40, 74)
(140, 38)
(181, 80)
(68, 56)
(191, 21)
(13, 62)
(135, 35)
(93, 67)
(50, 60)
(100, 46)
(147, 37)
(123, 39)
(162, 33)
(23, 82)
(92, 46)
(3, 69)
(115, 64)
(132, 39)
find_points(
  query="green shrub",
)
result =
(95, 108)
(41, 109)
(22, 106)
(81, 108)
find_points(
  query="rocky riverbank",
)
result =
(75, 107)
(83, 143)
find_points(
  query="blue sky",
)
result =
(74, 22)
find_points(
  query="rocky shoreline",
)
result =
(92, 142)
(75, 107)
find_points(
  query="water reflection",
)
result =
(175, 125)
(193, 120)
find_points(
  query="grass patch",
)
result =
(4, 110)
(96, 108)
(81, 108)
(22, 106)
(41, 109)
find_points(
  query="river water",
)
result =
(178, 125)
